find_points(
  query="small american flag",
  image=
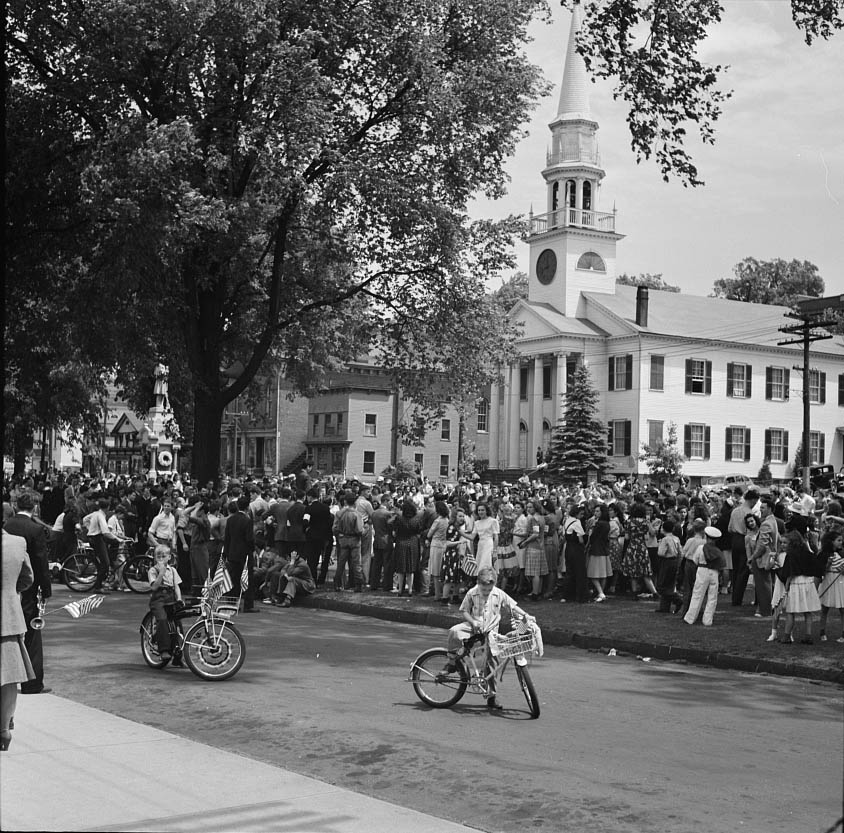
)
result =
(244, 577)
(83, 606)
(221, 584)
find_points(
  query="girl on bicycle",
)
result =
(165, 582)
(483, 607)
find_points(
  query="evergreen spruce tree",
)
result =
(579, 440)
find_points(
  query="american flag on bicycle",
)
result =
(244, 577)
(220, 585)
(84, 606)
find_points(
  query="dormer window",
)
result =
(592, 262)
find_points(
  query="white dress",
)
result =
(485, 529)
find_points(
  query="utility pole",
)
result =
(813, 314)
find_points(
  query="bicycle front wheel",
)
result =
(214, 650)
(136, 573)
(528, 690)
(432, 685)
(79, 572)
(149, 645)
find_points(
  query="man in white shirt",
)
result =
(99, 534)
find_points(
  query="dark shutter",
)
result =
(687, 440)
(728, 451)
(822, 449)
(609, 437)
(785, 446)
(627, 432)
(707, 381)
(688, 375)
(628, 372)
(746, 445)
(823, 388)
(840, 389)
(611, 373)
(706, 443)
(748, 377)
(768, 384)
(730, 367)
(767, 443)
(786, 383)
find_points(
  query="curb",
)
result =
(563, 638)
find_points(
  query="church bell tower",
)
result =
(572, 243)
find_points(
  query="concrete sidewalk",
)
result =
(71, 767)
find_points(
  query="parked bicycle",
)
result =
(438, 688)
(212, 647)
(80, 569)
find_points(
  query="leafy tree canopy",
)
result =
(650, 50)
(280, 181)
(646, 279)
(512, 290)
(770, 282)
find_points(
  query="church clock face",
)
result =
(546, 266)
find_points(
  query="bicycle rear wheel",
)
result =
(149, 645)
(79, 572)
(528, 690)
(434, 687)
(214, 650)
(136, 573)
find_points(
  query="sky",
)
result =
(774, 178)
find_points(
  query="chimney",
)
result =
(642, 306)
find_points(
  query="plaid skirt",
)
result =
(535, 562)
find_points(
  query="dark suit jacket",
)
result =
(321, 521)
(239, 540)
(278, 511)
(36, 548)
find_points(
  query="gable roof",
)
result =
(697, 318)
(126, 424)
(552, 322)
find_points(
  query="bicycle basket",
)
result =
(224, 608)
(513, 644)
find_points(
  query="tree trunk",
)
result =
(22, 445)
(207, 419)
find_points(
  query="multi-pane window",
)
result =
(328, 429)
(443, 465)
(369, 462)
(620, 373)
(618, 438)
(546, 381)
(696, 441)
(316, 425)
(776, 445)
(776, 383)
(817, 451)
(445, 429)
(483, 416)
(698, 376)
(739, 378)
(419, 462)
(339, 424)
(655, 433)
(369, 425)
(817, 387)
(657, 381)
(737, 443)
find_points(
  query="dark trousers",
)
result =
(327, 549)
(34, 646)
(313, 553)
(576, 569)
(666, 579)
(686, 581)
(763, 583)
(741, 573)
(183, 564)
(100, 548)
(381, 569)
(235, 570)
(161, 604)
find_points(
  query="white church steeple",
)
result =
(572, 243)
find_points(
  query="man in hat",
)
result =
(706, 579)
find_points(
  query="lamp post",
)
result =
(236, 415)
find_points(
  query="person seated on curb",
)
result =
(268, 561)
(295, 577)
(481, 607)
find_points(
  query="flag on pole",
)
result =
(84, 606)
(222, 579)
(244, 577)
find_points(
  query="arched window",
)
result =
(591, 261)
(571, 193)
(555, 196)
(483, 416)
(587, 196)
(546, 434)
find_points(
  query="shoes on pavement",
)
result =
(493, 705)
(787, 639)
(267, 602)
(807, 640)
(177, 662)
(600, 599)
(757, 615)
(285, 602)
(772, 638)
(42, 690)
(823, 637)
(840, 639)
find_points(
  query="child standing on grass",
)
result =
(165, 582)
(668, 560)
(799, 571)
(831, 590)
(706, 579)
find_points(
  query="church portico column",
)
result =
(560, 386)
(494, 405)
(513, 433)
(535, 424)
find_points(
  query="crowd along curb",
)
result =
(554, 636)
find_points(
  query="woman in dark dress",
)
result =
(406, 550)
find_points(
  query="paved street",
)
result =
(621, 745)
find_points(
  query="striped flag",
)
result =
(219, 586)
(244, 577)
(83, 606)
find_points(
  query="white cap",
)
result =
(712, 532)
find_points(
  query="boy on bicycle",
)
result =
(165, 581)
(482, 608)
